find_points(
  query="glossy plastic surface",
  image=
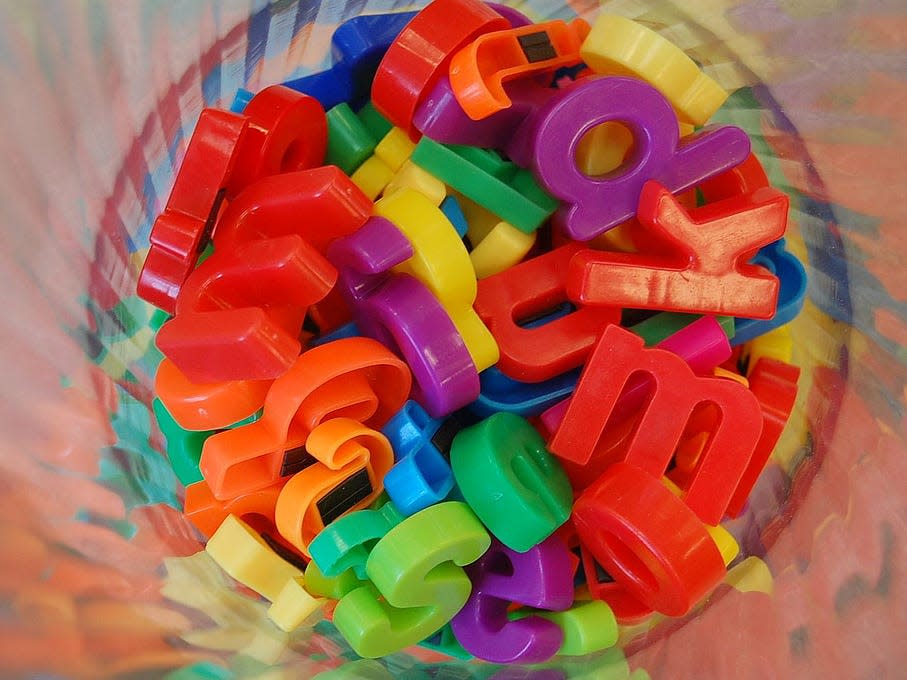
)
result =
(353, 377)
(479, 70)
(775, 385)
(441, 117)
(416, 581)
(287, 132)
(709, 273)
(441, 262)
(421, 475)
(184, 447)
(503, 470)
(409, 69)
(701, 343)
(207, 512)
(357, 47)
(672, 395)
(102, 99)
(648, 539)
(602, 586)
(349, 141)
(510, 299)
(228, 328)
(345, 544)
(239, 550)
(496, 184)
(352, 461)
(592, 205)
(207, 406)
(182, 230)
(541, 577)
(243, 554)
(444, 372)
(318, 204)
(619, 46)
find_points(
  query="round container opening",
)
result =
(100, 576)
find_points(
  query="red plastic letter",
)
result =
(676, 391)
(319, 205)
(240, 313)
(708, 274)
(288, 131)
(422, 51)
(648, 540)
(775, 385)
(181, 231)
(529, 289)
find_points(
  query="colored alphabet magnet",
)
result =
(455, 316)
(592, 205)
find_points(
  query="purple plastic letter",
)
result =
(594, 205)
(399, 311)
(540, 578)
(441, 117)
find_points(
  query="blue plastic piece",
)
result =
(347, 330)
(790, 271)
(570, 72)
(241, 99)
(361, 43)
(450, 206)
(419, 481)
(357, 46)
(561, 310)
(421, 476)
(502, 393)
(409, 429)
(329, 87)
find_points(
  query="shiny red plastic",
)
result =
(614, 440)
(182, 230)
(627, 609)
(288, 131)
(648, 540)
(738, 181)
(675, 393)
(422, 52)
(281, 130)
(775, 385)
(318, 204)
(331, 312)
(529, 290)
(239, 315)
(707, 272)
